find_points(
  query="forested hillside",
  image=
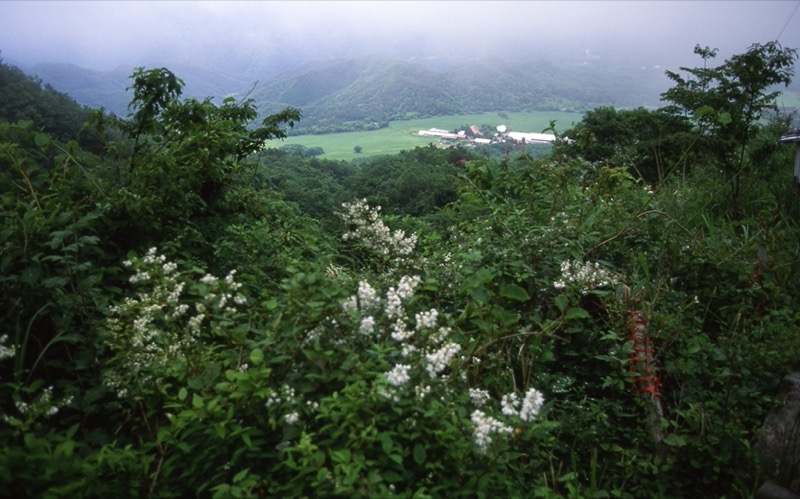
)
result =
(109, 89)
(26, 98)
(188, 310)
(367, 93)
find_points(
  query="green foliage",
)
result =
(26, 98)
(415, 182)
(183, 316)
(651, 144)
(727, 102)
(302, 150)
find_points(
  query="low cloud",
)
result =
(273, 36)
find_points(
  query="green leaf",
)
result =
(246, 440)
(182, 393)
(674, 440)
(197, 401)
(241, 475)
(386, 442)
(561, 302)
(72, 430)
(703, 111)
(256, 356)
(42, 139)
(481, 295)
(391, 476)
(514, 292)
(576, 313)
(341, 456)
(419, 453)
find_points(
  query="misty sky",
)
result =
(273, 35)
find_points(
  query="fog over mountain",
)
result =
(256, 40)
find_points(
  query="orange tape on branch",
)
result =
(643, 363)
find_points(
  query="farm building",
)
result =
(529, 137)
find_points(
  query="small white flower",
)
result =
(510, 403)
(367, 326)
(427, 319)
(367, 296)
(6, 352)
(478, 396)
(438, 360)
(398, 376)
(350, 305)
(208, 279)
(531, 405)
(485, 427)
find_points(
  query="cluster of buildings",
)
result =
(502, 136)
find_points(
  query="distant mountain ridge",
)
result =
(367, 93)
(108, 89)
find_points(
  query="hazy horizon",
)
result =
(267, 37)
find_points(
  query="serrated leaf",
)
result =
(514, 292)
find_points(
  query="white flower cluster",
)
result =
(531, 405)
(399, 376)
(588, 275)
(422, 343)
(368, 228)
(439, 359)
(485, 427)
(367, 327)
(396, 296)
(479, 396)
(43, 405)
(6, 352)
(286, 395)
(427, 319)
(156, 330)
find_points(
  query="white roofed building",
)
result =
(530, 137)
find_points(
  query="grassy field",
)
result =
(402, 135)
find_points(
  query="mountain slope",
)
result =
(108, 89)
(367, 93)
(24, 98)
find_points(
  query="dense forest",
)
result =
(189, 309)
